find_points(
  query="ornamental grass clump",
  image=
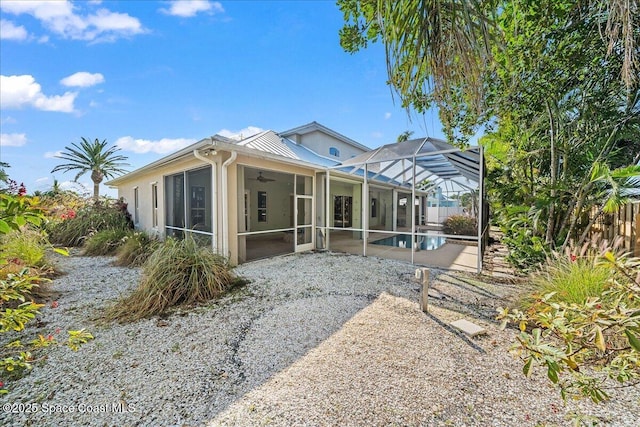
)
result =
(75, 229)
(136, 249)
(572, 279)
(26, 247)
(178, 273)
(105, 242)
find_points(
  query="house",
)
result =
(301, 189)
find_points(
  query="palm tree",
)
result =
(93, 157)
(404, 136)
(440, 50)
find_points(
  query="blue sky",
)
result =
(155, 76)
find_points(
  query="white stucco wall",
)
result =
(320, 142)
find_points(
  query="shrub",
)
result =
(179, 272)
(26, 247)
(63, 204)
(18, 283)
(460, 225)
(601, 333)
(136, 249)
(524, 236)
(87, 221)
(526, 252)
(105, 242)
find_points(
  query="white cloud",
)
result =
(21, 91)
(9, 31)
(60, 17)
(13, 139)
(190, 8)
(242, 133)
(162, 146)
(377, 134)
(83, 79)
(41, 180)
(52, 154)
(387, 116)
(111, 24)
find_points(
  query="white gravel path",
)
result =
(315, 339)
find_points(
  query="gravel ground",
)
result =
(314, 339)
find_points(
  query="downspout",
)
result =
(214, 187)
(327, 210)
(225, 204)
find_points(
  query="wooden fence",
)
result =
(625, 222)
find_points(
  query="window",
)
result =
(174, 202)
(262, 206)
(154, 205)
(374, 208)
(136, 204)
(333, 151)
(187, 198)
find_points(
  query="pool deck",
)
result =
(454, 256)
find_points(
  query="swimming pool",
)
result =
(404, 241)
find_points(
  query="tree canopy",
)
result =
(553, 84)
(93, 157)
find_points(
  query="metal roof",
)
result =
(434, 159)
(270, 142)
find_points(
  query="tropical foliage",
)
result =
(93, 157)
(552, 82)
(24, 248)
(582, 335)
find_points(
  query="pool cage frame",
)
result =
(418, 167)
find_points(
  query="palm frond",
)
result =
(87, 156)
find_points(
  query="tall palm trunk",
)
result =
(96, 177)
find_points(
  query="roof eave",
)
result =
(161, 162)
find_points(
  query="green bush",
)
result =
(136, 249)
(105, 242)
(18, 285)
(86, 222)
(526, 252)
(179, 272)
(460, 225)
(26, 247)
(570, 329)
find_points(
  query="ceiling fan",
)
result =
(263, 179)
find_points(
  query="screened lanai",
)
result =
(394, 202)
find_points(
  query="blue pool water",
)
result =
(404, 241)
